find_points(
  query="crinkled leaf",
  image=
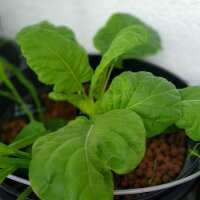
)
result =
(75, 162)
(127, 39)
(190, 119)
(115, 24)
(154, 98)
(57, 60)
(33, 128)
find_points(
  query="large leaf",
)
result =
(75, 162)
(190, 119)
(154, 98)
(57, 60)
(115, 24)
(127, 39)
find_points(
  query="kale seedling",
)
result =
(76, 161)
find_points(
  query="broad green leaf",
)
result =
(63, 31)
(57, 60)
(33, 128)
(190, 118)
(153, 98)
(83, 155)
(5, 172)
(127, 39)
(84, 103)
(115, 24)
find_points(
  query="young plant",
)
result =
(76, 161)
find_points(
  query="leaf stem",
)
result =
(154, 171)
(107, 78)
(25, 193)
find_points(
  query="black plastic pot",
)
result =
(175, 193)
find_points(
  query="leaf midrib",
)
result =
(86, 154)
(145, 99)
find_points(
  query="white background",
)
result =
(178, 22)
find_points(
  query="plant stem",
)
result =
(107, 78)
(25, 193)
(154, 170)
(25, 108)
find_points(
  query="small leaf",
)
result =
(127, 39)
(57, 60)
(115, 24)
(190, 119)
(153, 98)
(83, 155)
(33, 128)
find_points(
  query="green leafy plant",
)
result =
(77, 160)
